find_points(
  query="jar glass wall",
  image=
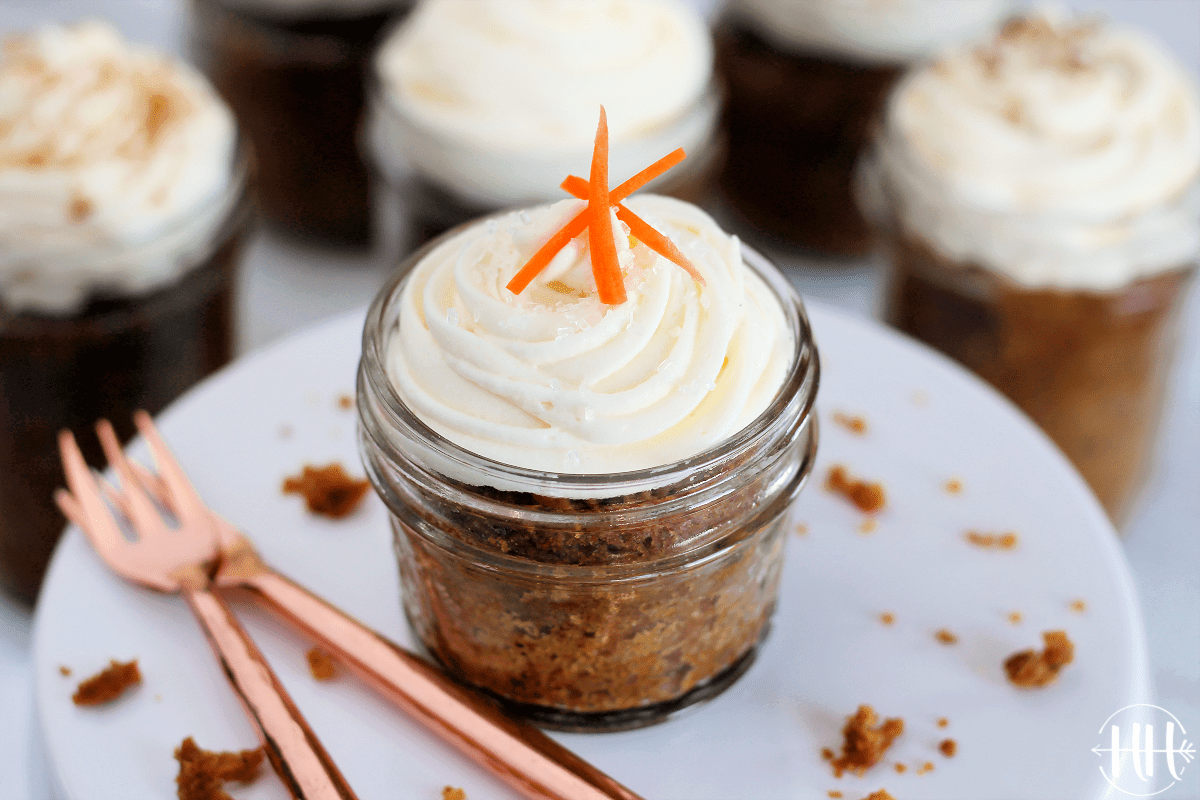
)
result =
(115, 355)
(590, 602)
(296, 82)
(1089, 367)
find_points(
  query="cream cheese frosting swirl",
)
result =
(496, 99)
(1063, 152)
(871, 31)
(114, 167)
(553, 380)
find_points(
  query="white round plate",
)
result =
(240, 433)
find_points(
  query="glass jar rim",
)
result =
(796, 395)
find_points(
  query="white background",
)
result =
(285, 288)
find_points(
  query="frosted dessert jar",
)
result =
(294, 72)
(122, 212)
(481, 105)
(806, 80)
(1042, 192)
(590, 502)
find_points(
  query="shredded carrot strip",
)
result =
(656, 241)
(596, 218)
(548, 251)
(605, 267)
(573, 184)
(630, 186)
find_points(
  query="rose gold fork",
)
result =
(518, 753)
(182, 561)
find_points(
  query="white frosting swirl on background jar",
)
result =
(1063, 152)
(498, 99)
(115, 165)
(871, 31)
(554, 380)
(292, 9)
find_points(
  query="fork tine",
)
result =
(70, 508)
(94, 517)
(184, 500)
(137, 506)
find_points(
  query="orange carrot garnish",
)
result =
(633, 184)
(605, 267)
(547, 252)
(641, 229)
(657, 242)
(597, 219)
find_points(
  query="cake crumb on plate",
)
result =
(1029, 669)
(108, 685)
(327, 490)
(866, 740)
(203, 773)
(320, 664)
(866, 496)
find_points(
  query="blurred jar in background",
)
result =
(1043, 192)
(122, 209)
(294, 72)
(484, 104)
(806, 79)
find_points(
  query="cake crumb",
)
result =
(1001, 541)
(945, 636)
(80, 209)
(855, 424)
(345, 402)
(901, 767)
(924, 768)
(65, 671)
(866, 496)
(865, 741)
(834, 793)
(942, 722)
(953, 486)
(826, 754)
(801, 529)
(328, 490)
(880, 795)
(452, 793)
(867, 526)
(948, 747)
(1030, 669)
(321, 665)
(887, 618)
(202, 774)
(1015, 618)
(108, 685)
(1078, 606)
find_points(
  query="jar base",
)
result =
(627, 719)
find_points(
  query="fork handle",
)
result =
(292, 748)
(529, 761)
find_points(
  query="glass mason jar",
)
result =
(590, 602)
(1089, 367)
(113, 356)
(296, 82)
(429, 182)
(802, 99)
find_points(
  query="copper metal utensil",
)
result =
(518, 753)
(182, 561)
